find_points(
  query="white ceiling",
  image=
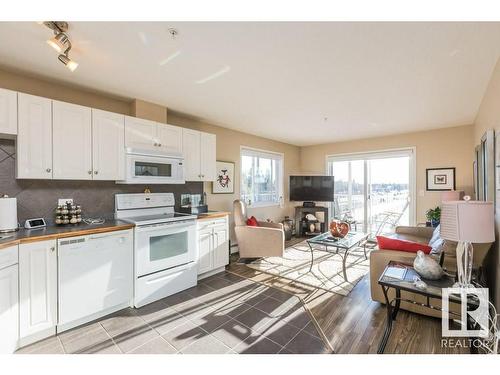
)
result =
(279, 80)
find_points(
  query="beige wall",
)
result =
(488, 117)
(66, 93)
(148, 111)
(450, 147)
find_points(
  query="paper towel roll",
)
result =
(8, 214)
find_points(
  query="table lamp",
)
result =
(467, 222)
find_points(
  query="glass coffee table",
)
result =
(340, 246)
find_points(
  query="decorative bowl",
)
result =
(339, 228)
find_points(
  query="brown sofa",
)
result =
(380, 258)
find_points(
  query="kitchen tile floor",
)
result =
(222, 314)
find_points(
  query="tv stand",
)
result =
(308, 204)
(302, 224)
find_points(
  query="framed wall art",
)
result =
(440, 179)
(224, 182)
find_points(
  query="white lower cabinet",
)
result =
(9, 300)
(37, 291)
(95, 276)
(213, 246)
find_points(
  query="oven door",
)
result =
(154, 170)
(163, 246)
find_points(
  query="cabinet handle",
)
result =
(159, 144)
(96, 172)
(155, 144)
(89, 172)
(48, 170)
(53, 249)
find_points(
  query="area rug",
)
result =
(326, 272)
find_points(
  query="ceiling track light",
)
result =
(61, 43)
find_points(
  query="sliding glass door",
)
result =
(374, 191)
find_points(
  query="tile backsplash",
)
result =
(38, 198)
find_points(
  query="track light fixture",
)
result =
(70, 64)
(61, 43)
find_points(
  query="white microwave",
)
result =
(153, 167)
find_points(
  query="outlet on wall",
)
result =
(62, 201)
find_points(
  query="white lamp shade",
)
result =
(471, 221)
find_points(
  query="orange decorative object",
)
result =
(339, 228)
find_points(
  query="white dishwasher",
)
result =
(95, 276)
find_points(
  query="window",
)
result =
(261, 177)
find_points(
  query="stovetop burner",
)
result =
(174, 216)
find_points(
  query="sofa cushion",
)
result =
(252, 222)
(391, 243)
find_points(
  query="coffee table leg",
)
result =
(388, 324)
(344, 258)
(312, 257)
(364, 249)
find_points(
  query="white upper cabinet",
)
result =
(199, 150)
(108, 145)
(34, 139)
(208, 159)
(191, 140)
(140, 133)
(151, 135)
(169, 138)
(8, 112)
(72, 141)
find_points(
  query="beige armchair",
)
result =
(268, 239)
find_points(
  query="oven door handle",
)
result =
(152, 227)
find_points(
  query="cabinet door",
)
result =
(9, 309)
(108, 145)
(139, 133)
(37, 289)
(72, 141)
(169, 138)
(208, 152)
(8, 112)
(205, 247)
(34, 138)
(221, 246)
(192, 154)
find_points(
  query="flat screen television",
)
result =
(312, 188)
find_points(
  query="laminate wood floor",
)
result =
(355, 323)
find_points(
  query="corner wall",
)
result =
(488, 117)
(447, 147)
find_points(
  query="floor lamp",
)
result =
(467, 222)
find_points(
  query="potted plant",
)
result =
(433, 216)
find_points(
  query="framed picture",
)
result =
(440, 179)
(224, 183)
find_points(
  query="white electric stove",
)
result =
(165, 251)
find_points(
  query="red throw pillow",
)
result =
(388, 243)
(252, 222)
